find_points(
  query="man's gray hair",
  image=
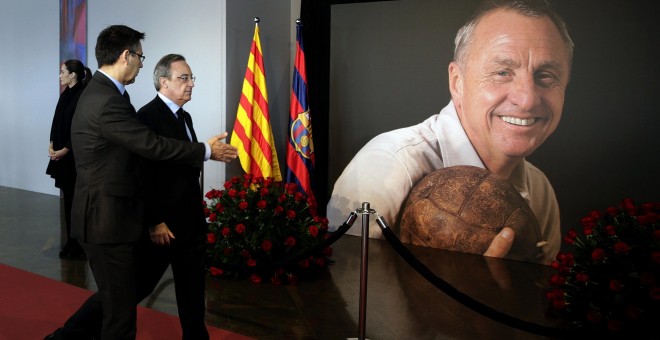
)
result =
(531, 8)
(163, 68)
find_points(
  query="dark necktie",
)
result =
(127, 96)
(182, 122)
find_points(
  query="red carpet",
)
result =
(32, 306)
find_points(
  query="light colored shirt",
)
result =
(386, 169)
(174, 108)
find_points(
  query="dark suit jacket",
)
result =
(108, 140)
(173, 191)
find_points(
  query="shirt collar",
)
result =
(455, 146)
(174, 107)
(457, 149)
(119, 85)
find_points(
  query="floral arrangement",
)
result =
(255, 224)
(611, 282)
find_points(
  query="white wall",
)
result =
(29, 30)
(198, 29)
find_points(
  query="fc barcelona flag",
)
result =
(253, 135)
(300, 149)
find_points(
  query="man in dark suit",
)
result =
(108, 207)
(175, 213)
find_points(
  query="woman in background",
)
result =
(74, 75)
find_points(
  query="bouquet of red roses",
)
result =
(611, 281)
(256, 224)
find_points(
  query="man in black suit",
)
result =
(175, 214)
(108, 207)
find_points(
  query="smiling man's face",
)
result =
(509, 91)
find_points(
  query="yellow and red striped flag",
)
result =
(253, 135)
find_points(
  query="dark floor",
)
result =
(400, 304)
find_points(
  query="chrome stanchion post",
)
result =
(362, 320)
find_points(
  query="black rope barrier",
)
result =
(463, 298)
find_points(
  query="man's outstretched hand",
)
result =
(220, 151)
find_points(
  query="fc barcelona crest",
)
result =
(301, 135)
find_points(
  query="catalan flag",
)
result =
(253, 135)
(300, 149)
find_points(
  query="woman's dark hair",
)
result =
(83, 74)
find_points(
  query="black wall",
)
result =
(388, 69)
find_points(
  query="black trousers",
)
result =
(128, 273)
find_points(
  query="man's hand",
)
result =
(501, 244)
(221, 151)
(161, 234)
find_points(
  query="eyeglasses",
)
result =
(141, 56)
(187, 78)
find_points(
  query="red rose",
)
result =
(226, 232)
(245, 253)
(304, 264)
(588, 222)
(292, 279)
(261, 204)
(291, 188)
(569, 240)
(236, 180)
(582, 277)
(290, 241)
(276, 280)
(210, 238)
(643, 219)
(612, 211)
(219, 208)
(240, 228)
(313, 230)
(595, 215)
(251, 263)
(278, 210)
(228, 184)
(615, 285)
(290, 214)
(232, 193)
(254, 278)
(216, 271)
(263, 192)
(243, 205)
(588, 230)
(327, 251)
(298, 197)
(558, 304)
(557, 280)
(213, 217)
(621, 248)
(610, 230)
(320, 262)
(266, 245)
(598, 254)
(242, 194)
(207, 212)
(281, 198)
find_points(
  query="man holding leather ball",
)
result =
(507, 81)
